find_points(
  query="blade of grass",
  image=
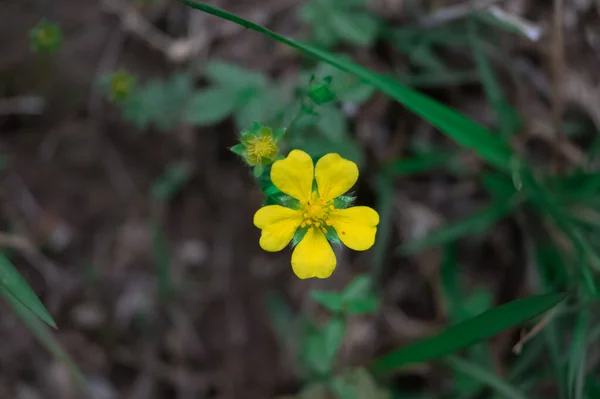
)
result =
(466, 333)
(12, 283)
(478, 373)
(463, 130)
(43, 335)
(491, 84)
(577, 355)
(475, 223)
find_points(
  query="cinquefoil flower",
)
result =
(315, 213)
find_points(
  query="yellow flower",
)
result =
(316, 213)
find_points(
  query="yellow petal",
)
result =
(335, 175)
(355, 226)
(313, 257)
(294, 175)
(278, 226)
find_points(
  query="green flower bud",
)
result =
(45, 37)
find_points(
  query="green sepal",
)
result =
(332, 236)
(267, 161)
(299, 235)
(258, 170)
(239, 149)
(343, 201)
(265, 131)
(289, 202)
(279, 133)
(245, 137)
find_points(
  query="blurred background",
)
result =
(124, 209)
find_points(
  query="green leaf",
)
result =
(467, 333)
(210, 106)
(362, 305)
(478, 222)
(463, 130)
(233, 76)
(45, 337)
(333, 335)
(332, 301)
(359, 288)
(479, 373)
(171, 181)
(12, 283)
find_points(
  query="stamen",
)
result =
(308, 222)
(303, 224)
(317, 224)
(324, 230)
(328, 223)
(305, 215)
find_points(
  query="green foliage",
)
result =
(468, 332)
(357, 298)
(160, 104)
(334, 21)
(45, 37)
(45, 337)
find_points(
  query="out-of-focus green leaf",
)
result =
(233, 76)
(328, 299)
(210, 106)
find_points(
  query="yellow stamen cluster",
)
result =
(259, 148)
(316, 212)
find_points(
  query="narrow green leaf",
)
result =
(577, 356)
(12, 282)
(465, 131)
(43, 335)
(477, 222)
(505, 117)
(466, 333)
(477, 372)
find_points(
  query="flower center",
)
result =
(316, 212)
(261, 147)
